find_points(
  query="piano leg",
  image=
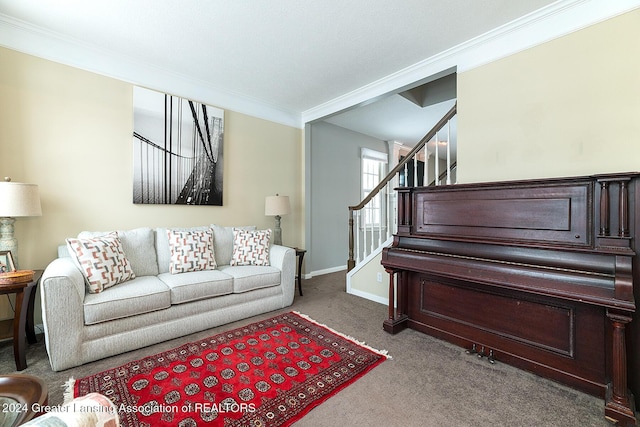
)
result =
(619, 406)
(397, 320)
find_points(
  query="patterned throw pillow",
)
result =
(102, 261)
(250, 247)
(191, 251)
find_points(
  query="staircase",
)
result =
(368, 237)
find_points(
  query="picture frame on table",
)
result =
(6, 262)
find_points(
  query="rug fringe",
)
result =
(384, 353)
(68, 390)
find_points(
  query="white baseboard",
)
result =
(324, 271)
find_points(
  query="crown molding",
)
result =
(556, 20)
(32, 40)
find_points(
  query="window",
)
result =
(374, 165)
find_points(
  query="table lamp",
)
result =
(277, 206)
(16, 200)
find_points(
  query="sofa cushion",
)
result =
(140, 295)
(197, 285)
(139, 246)
(102, 261)
(223, 242)
(163, 251)
(250, 247)
(250, 277)
(191, 251)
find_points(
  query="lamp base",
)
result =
(277, 232)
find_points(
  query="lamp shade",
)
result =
(18, 199)
(277, 205)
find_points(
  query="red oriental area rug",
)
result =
(269, 373)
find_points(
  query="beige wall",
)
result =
(70, 132)
(568, 107)
(365, 281)
(565, 108)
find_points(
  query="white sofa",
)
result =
(156, 305)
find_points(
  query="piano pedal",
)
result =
(472, 350)
(491, 358)
(481, 353)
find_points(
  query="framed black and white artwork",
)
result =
(177, 150)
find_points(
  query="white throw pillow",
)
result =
(251, 247)
(162, 245)
(223, 242)
(102, 261)
(191, 251)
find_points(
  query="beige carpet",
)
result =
(427, 382)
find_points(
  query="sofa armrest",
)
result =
(62, 295)
(284, 258)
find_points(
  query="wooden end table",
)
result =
(300, 254)
(21, 327)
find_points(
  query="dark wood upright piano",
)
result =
(539, 274)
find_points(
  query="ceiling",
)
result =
(405, 117)
(290, 61)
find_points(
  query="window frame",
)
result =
(378, 211)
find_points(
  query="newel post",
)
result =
(351, 262)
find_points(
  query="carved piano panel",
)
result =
(538, 274)
(549, 215)
(567, 336)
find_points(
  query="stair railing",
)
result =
(373, 231)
